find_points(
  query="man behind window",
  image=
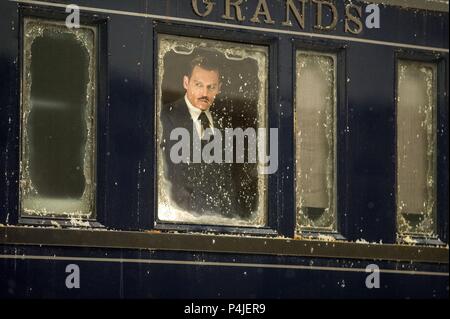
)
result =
(199, 188)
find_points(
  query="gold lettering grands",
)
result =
(294, 12)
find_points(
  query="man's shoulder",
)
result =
(174, 106)
(174, 109)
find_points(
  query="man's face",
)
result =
(202, 87)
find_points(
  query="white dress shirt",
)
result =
(195, 113)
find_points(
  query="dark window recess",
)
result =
(57, 170)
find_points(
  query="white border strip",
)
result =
(233, 26)
(218, 264)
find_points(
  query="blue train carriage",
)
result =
(339, 187)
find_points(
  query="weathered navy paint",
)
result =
(366, 156)
(126, 280)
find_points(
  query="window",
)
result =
(58, 120)
(215, 92)
(416, 148)
(315, 129)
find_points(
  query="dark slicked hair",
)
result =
(207, 61)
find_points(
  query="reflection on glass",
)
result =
(416, 148)
(57, 167)
(205, 84)
(315, 141)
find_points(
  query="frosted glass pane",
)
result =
(416, 147)
(58, 120)
(315, 141)
(218, 193)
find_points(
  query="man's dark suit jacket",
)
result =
(199, 188)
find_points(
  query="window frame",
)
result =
(338, 49)
(442, 136)
(237, 36)
(99, 23)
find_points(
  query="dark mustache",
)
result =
(205, 99)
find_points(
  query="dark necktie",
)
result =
(204, 122)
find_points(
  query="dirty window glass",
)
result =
(58, 120)
(416, 148)
(212, 132)
(315, 141)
